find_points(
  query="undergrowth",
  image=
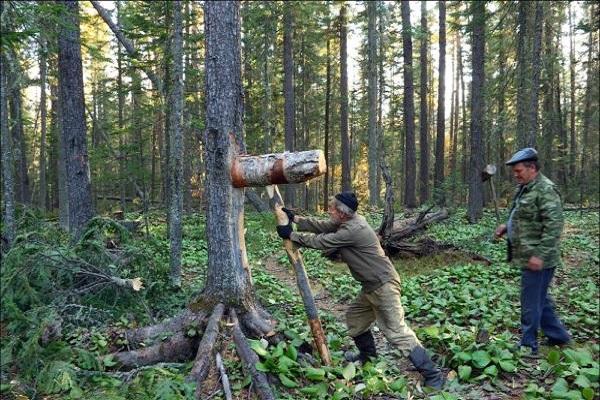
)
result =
(60, 317)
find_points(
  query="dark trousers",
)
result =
(537, 309)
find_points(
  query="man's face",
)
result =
(523, 175)
(334, 214)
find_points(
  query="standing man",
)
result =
(379, 299)
(533, 228)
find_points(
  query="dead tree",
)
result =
(228, 289)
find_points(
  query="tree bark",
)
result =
(523, 75)
(288, 90)
(228, 277)
(536, 67)
(475, 206)
(345, 140)
(19, 149)
(8, 181)
(43, 199)
(120, 122)
(441, 111)
(73, 121)
(326, 128)
(409, 109)
(176, 147)
(269, 169)
(372, 98)
(572, 96)
(423, 117)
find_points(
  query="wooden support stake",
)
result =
(249, 360)
(295, 258)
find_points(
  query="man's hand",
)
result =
(284, 231)
(290, 214)
(535, 263)
(500, 231)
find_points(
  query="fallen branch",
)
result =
(224, 378)
(249, 360)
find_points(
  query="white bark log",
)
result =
(269, 169)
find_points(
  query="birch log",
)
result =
(271, 169)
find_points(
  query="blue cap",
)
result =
(526, 154)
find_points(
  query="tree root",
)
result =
(180, 348)
(174, 325)
(249, 359)
(205, 349)
(177, 348)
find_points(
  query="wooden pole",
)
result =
(276, 202)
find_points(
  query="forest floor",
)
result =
(55, 332)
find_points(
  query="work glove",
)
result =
(290, 214)
(284, 231)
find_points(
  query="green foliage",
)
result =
(467, 313)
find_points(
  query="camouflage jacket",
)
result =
(537, 223)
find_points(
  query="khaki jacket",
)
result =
(358, 245)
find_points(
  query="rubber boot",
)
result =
(431, 373)
(366, 348)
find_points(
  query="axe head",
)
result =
(488, 172)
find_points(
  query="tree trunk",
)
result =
(372, 94)
(381, 91)
(572, 131)
(475, 206)
(587, 116)
(549, 91)
(327, 112)
(43, 199)
(120, 124)
(464, 148)
(73, 121)
(423, 122)
(536, 67)
(523, 75)
(228, 279)
(176, 147)
(9, 231)
(345, 141)
(453, 122)
(409, 109)
(18, 135)
(288, 90)
(441, 111)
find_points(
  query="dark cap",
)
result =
(526, 154)
(349, 199)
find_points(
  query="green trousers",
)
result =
(383, 306)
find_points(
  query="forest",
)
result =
(152, 152)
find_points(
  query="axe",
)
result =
(486, 175)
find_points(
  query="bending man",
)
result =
(379, 299)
